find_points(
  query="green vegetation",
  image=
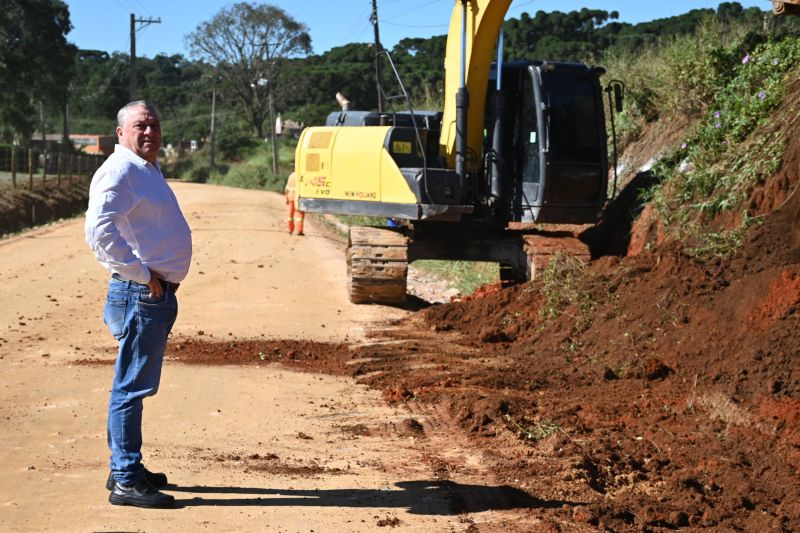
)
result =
(304, 85)
(466, 276)
(35, 64)
(532, 429)
(252, 169)
(563, 288)
(732, 80)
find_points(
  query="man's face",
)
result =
(141, 133)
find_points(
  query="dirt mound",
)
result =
(322, 357)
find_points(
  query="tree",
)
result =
(248, 44)
(97, 91)
(35, 62)
(573, 36)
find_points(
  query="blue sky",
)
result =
(105, 24)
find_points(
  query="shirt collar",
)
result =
(131, 156)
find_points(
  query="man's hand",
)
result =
(156, 290)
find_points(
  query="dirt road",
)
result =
(247, 448)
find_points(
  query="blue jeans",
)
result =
(141, 325)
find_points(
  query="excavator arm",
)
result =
(474, 44)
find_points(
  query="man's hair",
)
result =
(122, 114)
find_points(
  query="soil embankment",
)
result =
(23, 208)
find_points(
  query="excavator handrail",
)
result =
(413, 118)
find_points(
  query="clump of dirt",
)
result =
(269, 463)
(355, 431)
(330, 358)
(412, 427)
(389, 521)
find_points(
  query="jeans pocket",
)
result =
(147, 301)
(114, 316)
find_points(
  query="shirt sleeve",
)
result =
(109, 206)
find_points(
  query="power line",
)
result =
(362, 19)
(523, 4)
(142, 6)
(122, 7)
(407, 8)
(131, 7)
(414, 25)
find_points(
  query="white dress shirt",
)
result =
(134, 224)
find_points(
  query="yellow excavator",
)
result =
(519, 144)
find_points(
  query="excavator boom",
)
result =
(476, 42)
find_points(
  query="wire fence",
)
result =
(38, 169)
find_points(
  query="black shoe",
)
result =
(142, 494)
(156, 479)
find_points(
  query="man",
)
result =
(138, 233)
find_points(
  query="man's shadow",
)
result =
(418, 497)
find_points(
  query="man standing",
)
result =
(138, 233)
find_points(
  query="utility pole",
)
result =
(213, 162)
(65, 131)
(272, 135)
(378, 70)
(134, 88)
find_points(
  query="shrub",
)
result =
(721, 159)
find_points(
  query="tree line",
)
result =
(250, 54)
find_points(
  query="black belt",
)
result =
(164, 283)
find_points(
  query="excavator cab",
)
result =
(555, 157)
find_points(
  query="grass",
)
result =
(361, 220)
(733, 83)
(253, 169)
(533, 429)
(466, 276)
(563, 288)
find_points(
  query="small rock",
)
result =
(655, 369)
(491, 334)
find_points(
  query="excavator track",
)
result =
(377, 265)
(539, 250)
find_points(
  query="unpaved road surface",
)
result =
(246, 448)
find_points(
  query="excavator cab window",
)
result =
(559, 134)
(572, 109)
(528, 134)
(554, 158)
